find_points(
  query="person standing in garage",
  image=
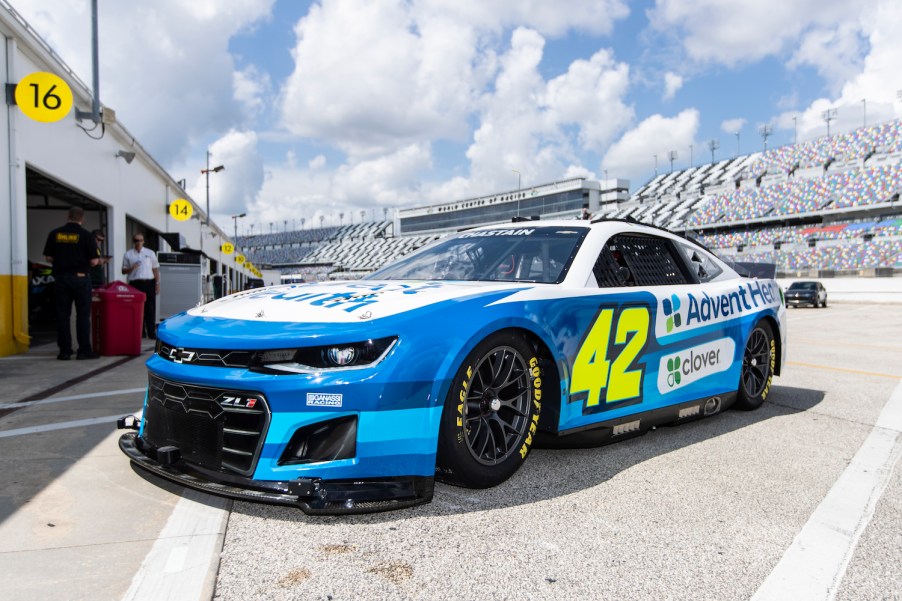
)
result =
(72, 251)
(143, 271)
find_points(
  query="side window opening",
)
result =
(639, 260)
(701, 263)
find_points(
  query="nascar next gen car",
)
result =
(344, 397)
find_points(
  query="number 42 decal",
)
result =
(602, 377)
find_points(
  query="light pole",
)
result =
(672, 155)
(235, 219)
(864, 112)
(206, 172)
(828, 116)
(765, 130)
(712, 146)
(518, 189)
(656, 164)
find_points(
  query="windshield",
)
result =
(538, 254)
(803, 286)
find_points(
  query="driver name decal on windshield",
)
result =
(507, 232)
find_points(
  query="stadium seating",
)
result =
(828, 203)
(314, 254)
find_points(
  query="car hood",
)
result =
(344, 302)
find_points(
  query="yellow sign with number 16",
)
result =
(44, 97)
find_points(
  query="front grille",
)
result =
(206, 357)
(215, 428)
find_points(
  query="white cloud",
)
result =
(591, 95)
(525, 123)
(164, 66)
(633, 155)
(590, 16)
(731, 126)
(876, 80)
(379, 81)
(672, 84)
(238, 185)
(370, 185)
(371, 77)
(729, 32)
(251, 88)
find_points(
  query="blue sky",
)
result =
(334, 107)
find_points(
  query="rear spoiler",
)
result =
(761, 271)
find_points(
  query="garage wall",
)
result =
(63, 152)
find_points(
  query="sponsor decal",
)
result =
(536, 373)
(671, 308)
(350, 299)
(506, 232)
(677, 370)
(322, 399)
(696, 310)
(238, 402)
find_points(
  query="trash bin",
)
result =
(117, 318)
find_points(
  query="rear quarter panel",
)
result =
(625, 351)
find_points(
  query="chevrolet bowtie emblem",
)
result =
(180, 355)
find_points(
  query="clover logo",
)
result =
(673, 366)
(671, 310)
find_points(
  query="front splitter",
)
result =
(313, 496)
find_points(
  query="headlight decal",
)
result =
(331, 357)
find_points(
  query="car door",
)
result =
(647, 345)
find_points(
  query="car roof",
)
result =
(610, 225)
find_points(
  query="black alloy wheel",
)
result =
(491, 414)
(758, 363)
(497, 405)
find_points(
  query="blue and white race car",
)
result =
(451, 363)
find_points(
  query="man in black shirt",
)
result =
(72, 251)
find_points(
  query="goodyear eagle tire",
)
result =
(491, 414)
(758, 362)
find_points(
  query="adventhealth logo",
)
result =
(671, 308)
(704, 308)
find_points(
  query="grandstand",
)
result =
(823, 207)
(346, 252)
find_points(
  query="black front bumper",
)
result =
(801, 300)
(313, 496)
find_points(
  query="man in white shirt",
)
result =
(143, 271)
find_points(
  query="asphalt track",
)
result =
(801, 499)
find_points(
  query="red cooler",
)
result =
(117, 319)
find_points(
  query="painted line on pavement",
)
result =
(62, 425)
(74, 397)
(183, 562)
(813, 567)
(844, 369)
